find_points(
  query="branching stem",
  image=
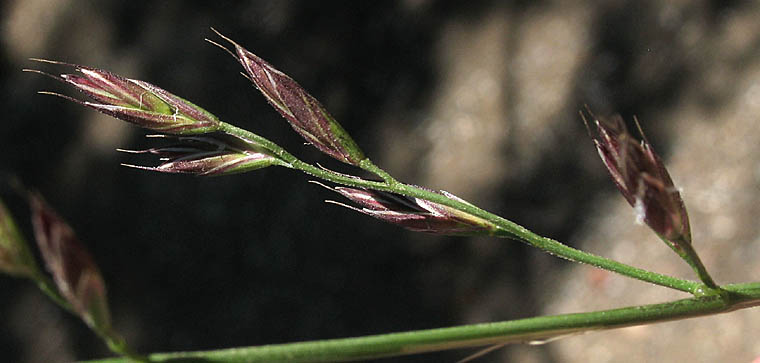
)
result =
(506, 228)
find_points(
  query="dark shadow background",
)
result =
(194, 263)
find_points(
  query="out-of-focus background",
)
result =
(479, 98)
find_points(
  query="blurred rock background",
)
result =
(479, 98)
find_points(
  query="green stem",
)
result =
(536, 329)
(684, 249)
(48, 288)
(368, 165)
(699, 268)
(506, 228)
(118, 345)
(114, 341)
(561, 250)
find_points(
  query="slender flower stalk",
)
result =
(641, 177)
(194, 159)
(224, 149)
(505, 228)
(305, 114)
(134, 101)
